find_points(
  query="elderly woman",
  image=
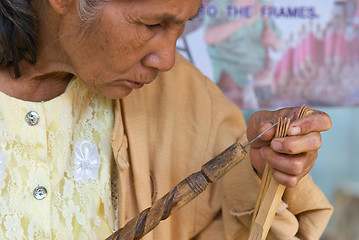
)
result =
(80, 155)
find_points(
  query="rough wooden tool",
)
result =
(271, 192)
(180, 195)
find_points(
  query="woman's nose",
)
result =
(163, 59)
(163, 53)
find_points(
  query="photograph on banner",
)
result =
(265, 54)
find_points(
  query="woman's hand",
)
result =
(292, 157)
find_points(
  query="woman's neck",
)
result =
(33, 85)
(51, 74)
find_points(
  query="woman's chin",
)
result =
(116, 92)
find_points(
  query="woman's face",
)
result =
(127, 45)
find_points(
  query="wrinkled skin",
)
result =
(123, 49)
(128, 45)
(292, 157)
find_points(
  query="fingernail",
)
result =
(277, 146)
(294, 130)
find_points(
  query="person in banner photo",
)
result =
(238, 41)
(320, 67)
(100, 116)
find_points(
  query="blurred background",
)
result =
(267, 55)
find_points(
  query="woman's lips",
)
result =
(134, 85)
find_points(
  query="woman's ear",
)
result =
(61, 6)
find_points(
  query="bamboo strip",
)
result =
(271, 192)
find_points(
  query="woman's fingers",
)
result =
(297, 144)
(317, 122)
(288, 169)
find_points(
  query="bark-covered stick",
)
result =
(181, 194)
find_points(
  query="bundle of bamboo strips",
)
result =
(271, 192)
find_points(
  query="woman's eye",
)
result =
(153, 25)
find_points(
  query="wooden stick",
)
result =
(270, 199)
(271, 192)
(181, 194)
(267, 210)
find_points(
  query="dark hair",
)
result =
(18, 34)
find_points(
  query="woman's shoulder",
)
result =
(186, 79)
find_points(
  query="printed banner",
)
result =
(285, 52)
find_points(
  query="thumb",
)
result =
(258, 123)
